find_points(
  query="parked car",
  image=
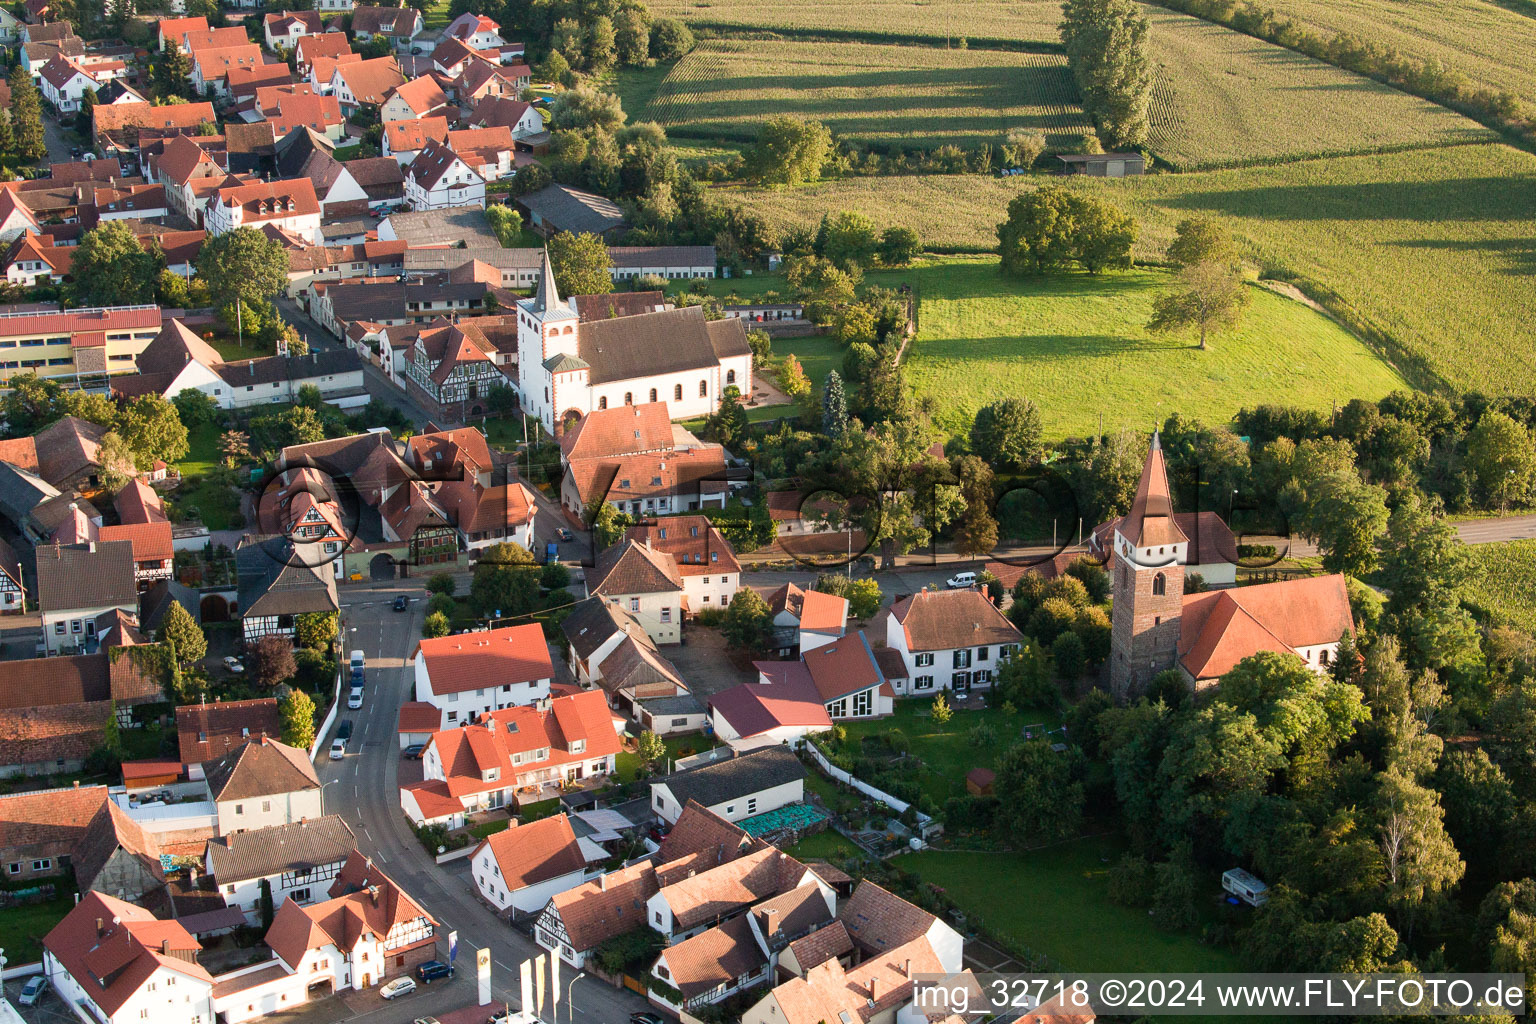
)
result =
(551, 554)
(398, 987)
(645, 1017)
(432, 970)
(357, 659)
(344, 729)
(355, 698)
(413, 752)
(232, 664)
(33, 990)
(565, 534)
(961, 581)
(402, 603)
(425, 1020)
(359, 677)
(338, 749)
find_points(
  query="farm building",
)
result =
(1103, 165)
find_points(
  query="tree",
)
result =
(940, 710)
(116, 457)
(1068, 656)
(863, 597)
(792, 378)
(505, 581)
(1201, 239)
(441, 583)
(729, 424)
(1345, 517)
(435, 625)
(316, 631)
(7, 135)
(27, 116)
(747, 621)
(670, 39)
(849, 240)
(243, 265)
(298, 717)
(899, 246)
(1106, 44)
(649, 749)
(565, 40)
(1421, 862)
(272, 660)
(180, 628)
(1103, 237)
(1040, 793)
(506, 222)
(196, 408)
(602, 45)
(111, 268)
(1023, 146)
(1038, 234)
(608, 524)
(587, 106)
(834, 406)
(172, 72)
(632, 36)
(556, 70)
(1210, 298)
(1502, 456)
(234, 447)
(581, 263)
(788, 150)
(1007, 433)
(153, 430)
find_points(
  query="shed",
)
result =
(1103, 165)
(978, 781)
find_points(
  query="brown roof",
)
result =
(635, 477)
(696, 546)
(151, 541)
(1219, 628)
(615, 304)
(536, 852)
(601, 909)
(112, 959)
(713, 958)
(829, 993)
(720, 890)
(654, 344)
(444, 449)
(791, 914)
(419, 716)
(63, 680)
(260, 767)
(476, 509)
(48, 816)
(511, 654)
(112, 116)
(363, 901)
(20, 451)
(111, 829)
(272, 200)
(878, 920)
(68, 447)
(406, 136)
(75, 576)
(631, 567)
(208, 731)
(941, 620)
(67, 732)
(173, 348)
(823, 944)
(434, 161)
(266, 851)
(623, 430)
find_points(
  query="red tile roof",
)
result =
(598, 910)
(419, 716)
(941, 620)
(363, 901)
(1219, 628)
(1150, 521)
(216, 62)
(371, 80)
(328, 44)
(208, 731)
(693, 543)
(48, 816)
(512, 654)
(408, 136)
(272, 200)
(423, 95)
(195, 39)
(469, 751)
(624, 430)
(111, 960)
(536, 852)
(151, 541)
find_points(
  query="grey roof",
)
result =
(564, 362)
(21, 492)
(465, 224)
(567, 209)
(548, 293)
(98, 575)
(258, 768)
(157, 600)
(734, 778)
(662, 255)
(591, 623)
(272, 369)
(682, 704)
(653, 344)
(270, 851)
(451, 259)
(277, 577)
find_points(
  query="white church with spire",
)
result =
(567, 367)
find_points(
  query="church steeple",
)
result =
(548, 295)
(1147, 581)
(1150, 521)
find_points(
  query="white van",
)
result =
(358, 659)
(961, 581)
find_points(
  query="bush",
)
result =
(1067, 654)
(554, 576)
(1131, 882)
(982, 735)
(1194, 583)
(441, 583)
(1256, 551)
(441, 602)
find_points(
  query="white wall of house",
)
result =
(527, 900)
(266, 811)
(459, 186)
(68, 629)
(931, 671)
(659, 614)
(165, 996)
(669, 808)
(772, 738)
(457, 707)
(303, 887)
(222, 217)
(66, 98)
(712, 591)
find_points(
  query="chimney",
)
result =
(100, 927)
(907, 968)
(252, 365)
(373, 894)
(165, 947)
(93, 547)
(602, 883)
(77, 783)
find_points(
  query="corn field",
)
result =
(933, 21)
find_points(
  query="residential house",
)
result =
(472, 674)
(121, 859)
(399, 24)
(365, 83)
(289, 108)
(80, 584)
(686, 478)
(13, 589)
(301, 503)
(476, 30)
(706, 897)
(479, 81)
(113, 962)
(211, 67)
(567, 369)
(704, 559)
(490, 515)
(524, 120)
(382, 182)
(15, 219)
(262, 783)
(307, 153)
(487, 151)
(289, 206)
(207, 732)
(286, 28)
(153, 553)
(439, 179)
(520, 868)
(460, 455)
(949, 640)
(403, 140)
(643, 582)
(195, 39)
(307, 49)
(40, 829)
(804, 620)
(171, 30)
(62, 82)
(452, 372)
(609, 648)
(296, 861)
(30, 261)
(369, 929)
(417, 98)
(738, 787)
(280, 580)
(192, 171)
(322, 71)
(557, 208)
(511, 757)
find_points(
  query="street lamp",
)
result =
(322, 795)
(570, 1008)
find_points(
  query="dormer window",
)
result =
(578, 746)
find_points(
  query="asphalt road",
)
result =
(363, 788)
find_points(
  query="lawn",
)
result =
(912, 96)
(1221, 98)
(202, 450)
(1430, 251)
(435, 15)
(1016, 23)
(22, 928)
(828, 845)
(818, 355)
(1055, 902)
(215, 504)
(693, 742)
(949, 751)
(1504, 585)
(232, 351)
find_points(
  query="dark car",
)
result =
(432, 970)
(344, 729)
(645, 1017)
(402, 603)
(413, 752)
(359, 677)
(565, 534)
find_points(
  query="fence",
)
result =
(459, 854)
(330, 717)
(848, 779)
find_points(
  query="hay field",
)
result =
(1224, 99)
(1434, 250)
(1001, 22)
(886, 94)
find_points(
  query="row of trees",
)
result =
(1106, 44)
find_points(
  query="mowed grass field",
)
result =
(934, 21)
(1433, 251)
(888, 94)
(1222, 99)
(1077, 346)
(1504, 585)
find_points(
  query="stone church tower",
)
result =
(1147, 583)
